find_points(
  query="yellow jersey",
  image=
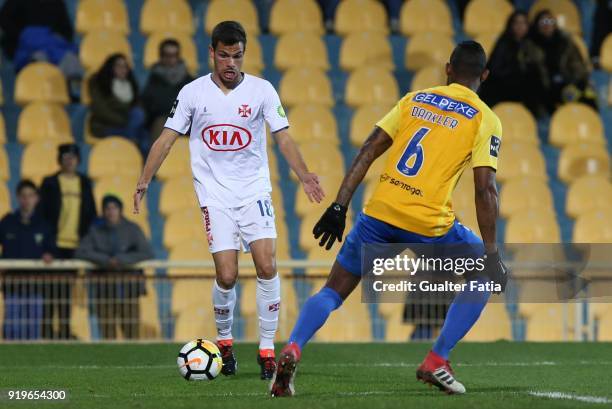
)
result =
(435, 132)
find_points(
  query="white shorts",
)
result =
(233, 228)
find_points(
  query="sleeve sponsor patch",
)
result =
(173, 110)
(495, 145)
(281, 111)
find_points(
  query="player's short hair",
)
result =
(468, 60)
(25, 184)
(168, 42)
(228, 32)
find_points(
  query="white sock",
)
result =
(268, 306)
(223, 304)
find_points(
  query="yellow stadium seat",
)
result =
(123, 187)
(518, 123)
(593, 227)
(322, 159)
(166, 15)
(5, 173)
(486, 16)
(97, 46)
(330, 185)
(2, 129)
(114, 155)
(366, 48)
(288, 16)
(306, 85)
(40, 121)
(565, 11)
(428, 48)
(605, 56)
(602, 314)
(177, 194)
(182, 225)
(524, 193)
(1, 94)
(363, 121)
(533, 226)
(371, 85)
(39, 160)
(588, 193)
(300, 50)
(520, 159)
(178, 161)
(581, 160)
(189, 52)
(243, 11)
(360, 15)
(96, 15)
(314, 123)
(575, 123)
(396, 329)
(488, 42)
(419, 16)
(5, 199)
(493, 325)
(546, 321)
(428, 77)
(40, 81)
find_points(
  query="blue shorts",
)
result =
(368, 230)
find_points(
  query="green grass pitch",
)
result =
(497, 375)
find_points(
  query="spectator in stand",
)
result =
(115, 245)
(517, 69)
(68, 206)
(601, 28)
(114, 103)
(568, 73)
(24, 234)
(166, 79)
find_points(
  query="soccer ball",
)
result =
(199, 360)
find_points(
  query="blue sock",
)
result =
(462, 315)
(314, 314)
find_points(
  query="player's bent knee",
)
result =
(227, 281)
(266, 271)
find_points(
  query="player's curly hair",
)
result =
(228, 32)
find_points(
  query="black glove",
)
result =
(497, 271)
(331, 225)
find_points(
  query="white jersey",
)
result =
(227, 140)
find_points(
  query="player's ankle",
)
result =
(225, 342)
(435, 358)
(266, 353)
(295, 349)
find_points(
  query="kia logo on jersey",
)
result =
(244, 111)
(226, 137)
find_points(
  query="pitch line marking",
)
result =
(570, 396)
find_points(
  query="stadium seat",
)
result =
(581, 160)
(602, 316)
(322, 159)
(314, 123)
(97, 46)
(300, 50)
(493, 325)
(5, 199)
(518, 123)
(363, 121)
(488, 42)
(565, 11)
(39, 160)
(183, 225)
(605, 56)
(41, 121)
(330, 185)
(177, 194)
(5, 173)
(596, 188)
(366, 48)
(178, 161)
(96, 15)
(114, 155)
(2, 129)
(575, 123)
(524, 193)
(369, 86)
(420, 16)
(189, 52)
(533, 226)
(360, 15)
(429, 48)
(486, 16)
(520, 159)
(306, 85)
(40, 81)
(289, 16)
(428, 77)
(593, 227)
(546, 321)
(166, 15)
(1, 94)
(243, 11)
(396, 329)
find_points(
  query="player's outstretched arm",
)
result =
(160, 149)
(292, 154)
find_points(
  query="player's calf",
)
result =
(282, 384)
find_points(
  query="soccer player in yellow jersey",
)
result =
(431, 136)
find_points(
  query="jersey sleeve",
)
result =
(180, 116)
(487, 142)
(390, 122)
(273, 110)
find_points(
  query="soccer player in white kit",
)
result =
(224, 113)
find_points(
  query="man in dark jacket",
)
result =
(68, 205)
(24, 234)
(115, 245)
